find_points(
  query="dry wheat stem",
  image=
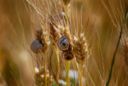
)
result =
(113, 58)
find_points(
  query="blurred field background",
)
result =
(101, 20)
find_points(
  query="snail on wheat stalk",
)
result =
(39, 47)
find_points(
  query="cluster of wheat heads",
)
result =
(66, 33)
(66, 43)
(65, 24)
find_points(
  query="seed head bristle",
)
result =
(53, 33)
(80, 49)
